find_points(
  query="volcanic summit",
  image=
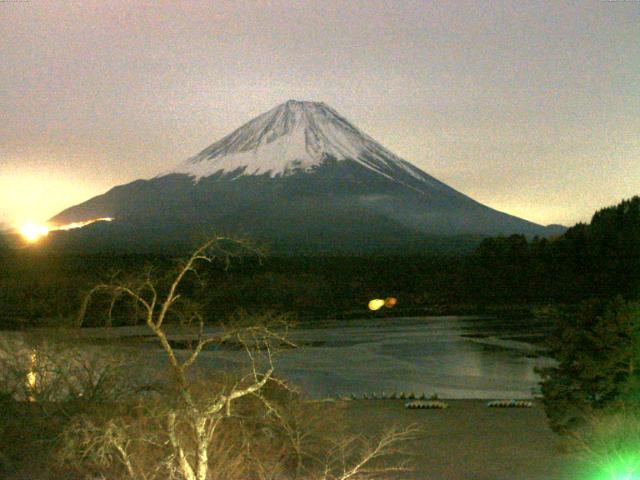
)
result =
(299, 177)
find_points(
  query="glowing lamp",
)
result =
(376, 304)
(390, 302)
(31, 377)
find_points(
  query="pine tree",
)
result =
(596, 348)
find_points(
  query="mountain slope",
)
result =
(297, 177)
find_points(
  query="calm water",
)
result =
(455, 357)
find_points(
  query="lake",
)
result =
(454, 357)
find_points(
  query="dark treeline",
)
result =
(35, 287)
(599, 259)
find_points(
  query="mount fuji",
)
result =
(299, 177)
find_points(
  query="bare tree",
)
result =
(356, 458)
(193, 412)
(202, 415)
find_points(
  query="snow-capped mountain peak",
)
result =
(293, 136)
(299, 176)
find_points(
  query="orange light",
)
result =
(390, 302)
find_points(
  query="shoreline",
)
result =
(470, 441)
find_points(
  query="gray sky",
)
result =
(530, 107)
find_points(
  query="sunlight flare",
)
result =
(32, 232)
(74, 225)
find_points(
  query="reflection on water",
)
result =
(455, 357)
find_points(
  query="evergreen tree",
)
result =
(596, 348)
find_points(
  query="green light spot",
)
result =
(621, 467)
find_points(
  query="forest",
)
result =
(599, 259)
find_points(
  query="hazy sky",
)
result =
(529, 107)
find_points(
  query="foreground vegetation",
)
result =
(109, 412)
(592, 396)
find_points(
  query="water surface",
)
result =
(453, 357)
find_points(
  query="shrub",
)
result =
(596, 348)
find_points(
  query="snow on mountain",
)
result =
(299, 177)
(291, 137)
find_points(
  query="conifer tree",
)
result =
(597, 350)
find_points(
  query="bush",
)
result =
(597, 352)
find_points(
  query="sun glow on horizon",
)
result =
(71, 226)
(32, 232)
